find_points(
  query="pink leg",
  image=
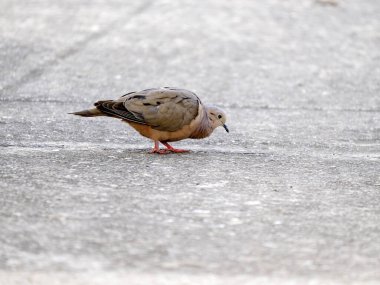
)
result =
(157, 149)
(172, 149)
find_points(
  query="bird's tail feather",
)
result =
(88, 113)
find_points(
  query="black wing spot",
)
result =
(140, 97)
(158, 103)
(128, 93)
(147, 104)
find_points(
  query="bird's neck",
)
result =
(204, 128)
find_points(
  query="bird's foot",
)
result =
(178, 150)
(157, 149)
(160, 151)
(172, 149)
(169, 149)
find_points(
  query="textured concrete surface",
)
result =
(290, 196)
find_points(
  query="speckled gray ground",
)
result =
(290, 196)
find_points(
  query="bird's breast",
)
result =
(149, 132)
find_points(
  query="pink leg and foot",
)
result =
(168, 149)
(172, 149)
(157, 149)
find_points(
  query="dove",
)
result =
(163, 115)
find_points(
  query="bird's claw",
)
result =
(178, 150)
(167, 151)
(160, 151)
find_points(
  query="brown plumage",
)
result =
(162, 114)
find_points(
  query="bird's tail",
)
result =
(88, 113)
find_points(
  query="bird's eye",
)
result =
(220, 116)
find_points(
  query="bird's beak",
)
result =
(225, 127)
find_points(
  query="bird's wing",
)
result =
(115, 108)
(164, 109)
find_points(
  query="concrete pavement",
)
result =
(290, 196)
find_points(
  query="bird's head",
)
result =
(217, 117)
